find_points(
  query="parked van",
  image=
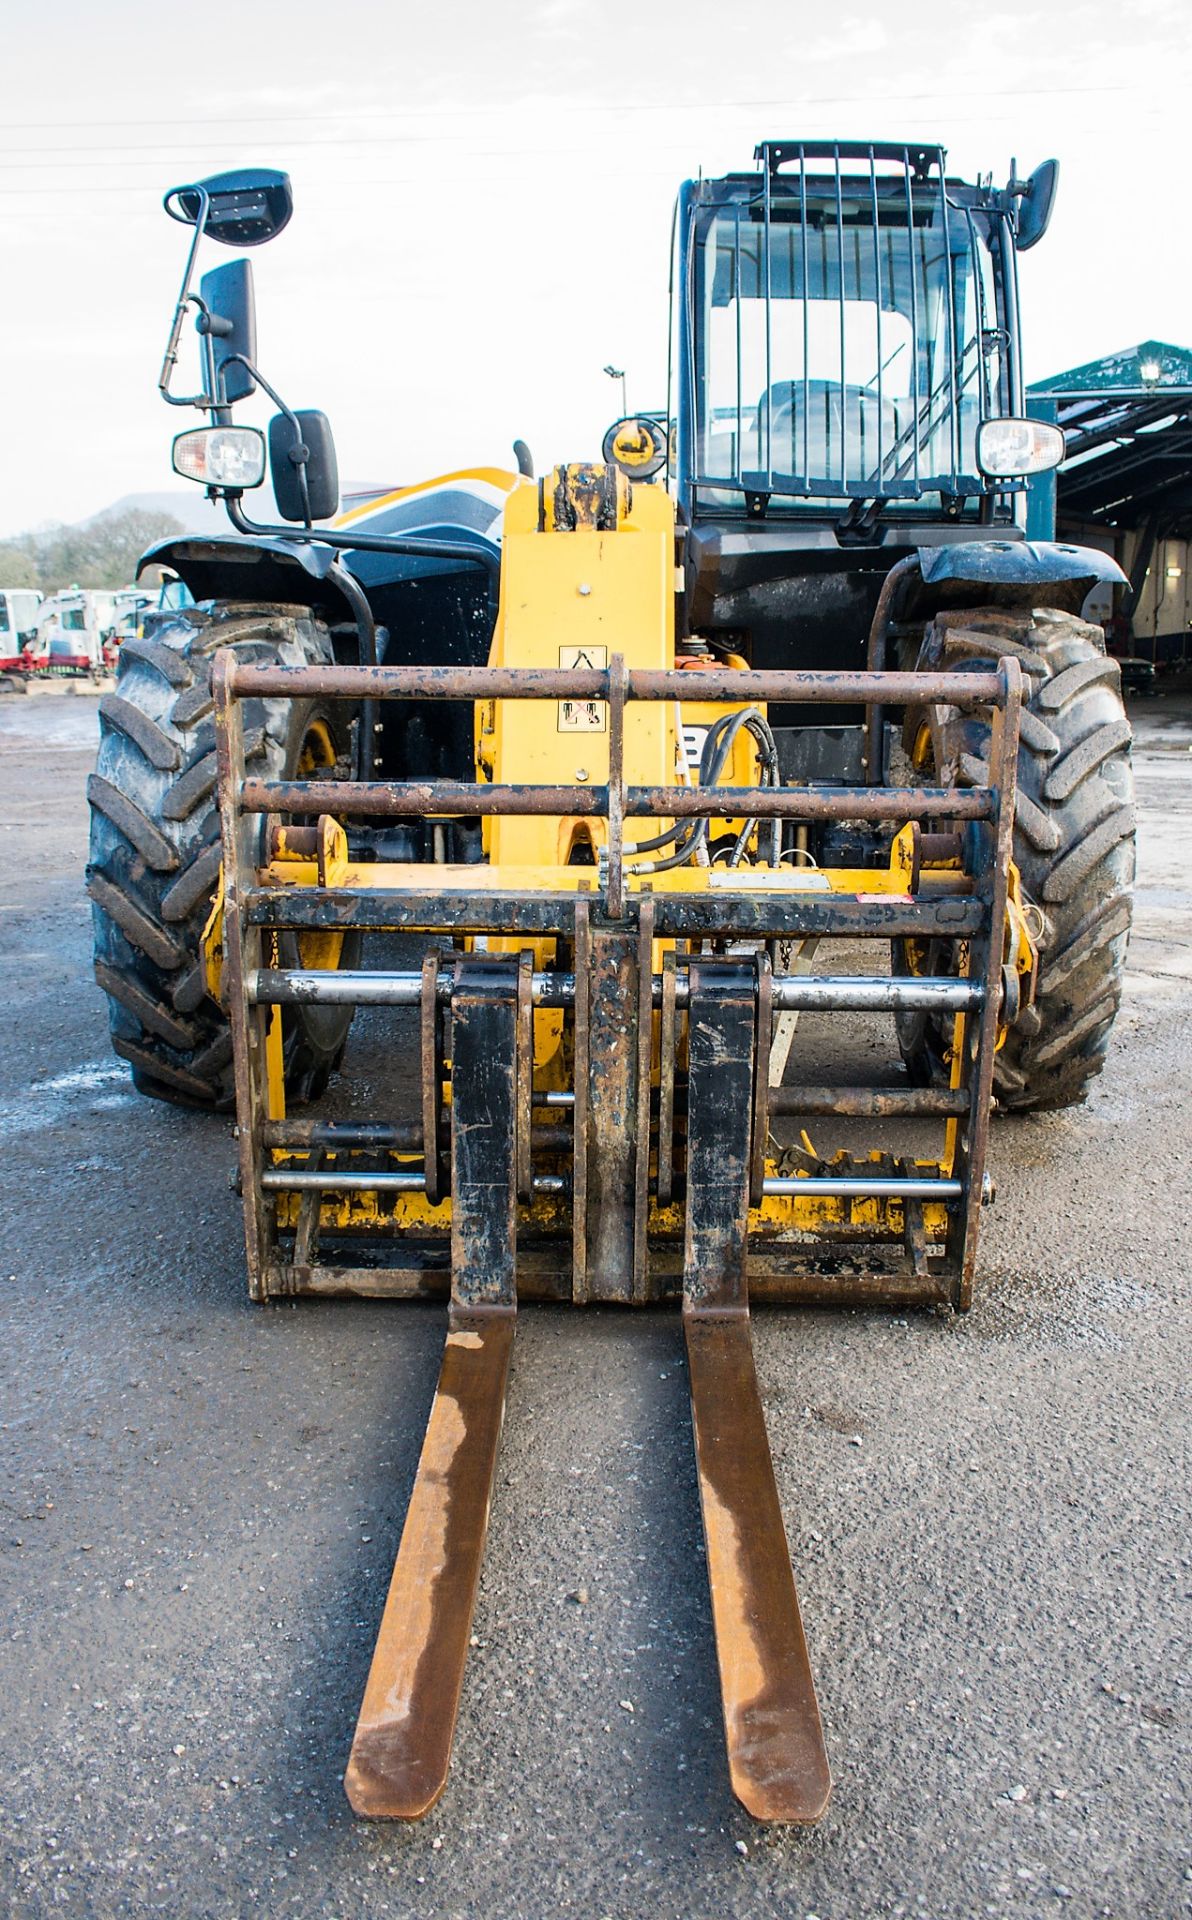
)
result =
(18, 626)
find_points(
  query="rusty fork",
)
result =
(777, 1760)
(402, 1748)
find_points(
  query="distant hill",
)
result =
(200, 515)
(186, 504)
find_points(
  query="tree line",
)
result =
(102, 552)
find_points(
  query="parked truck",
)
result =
(73, 628)
(19, 607)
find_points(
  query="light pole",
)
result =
(618, 373)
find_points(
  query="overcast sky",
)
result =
(483, 198)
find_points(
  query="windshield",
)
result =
(4, 628)
(855, 356)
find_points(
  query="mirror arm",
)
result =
(202, 399)
(366, 630)
(208, 326)
(185, 298)
(362, 613)
(298, 453)
(416, 544)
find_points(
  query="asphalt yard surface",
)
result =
(200, 1501)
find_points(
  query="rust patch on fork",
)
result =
(402, 1748)
(777, 1761)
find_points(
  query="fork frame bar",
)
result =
(254, 912)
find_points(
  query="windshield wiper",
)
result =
(858, 526)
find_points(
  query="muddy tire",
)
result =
(155, 855)
(1073, 839)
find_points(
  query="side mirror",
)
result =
(1034, 209)
(231, 321)
(302, 444)
(244, 208)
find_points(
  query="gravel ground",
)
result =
(200, 1502)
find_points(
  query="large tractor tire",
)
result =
(155, 852)
(1073, 839)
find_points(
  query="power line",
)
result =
(40, 162)
(633, 107)
(96, 156)
(802, 103)
(147, 190)
(233, 146)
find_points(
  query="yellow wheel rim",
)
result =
(318, 950)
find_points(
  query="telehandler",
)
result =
(771, 713)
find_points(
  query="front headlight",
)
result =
(221, 456)
(1012, 447)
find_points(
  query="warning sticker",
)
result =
(583, 716)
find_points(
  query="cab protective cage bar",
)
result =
(895, 471)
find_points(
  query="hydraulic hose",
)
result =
(718, 746)
(690, 833)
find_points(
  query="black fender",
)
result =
(267, 571)
(1005, 573)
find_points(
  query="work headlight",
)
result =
(1012, 447)
(221, 456)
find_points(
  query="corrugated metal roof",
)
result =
(1128, 421)
(1147, 368)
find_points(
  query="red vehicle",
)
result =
(19, 608)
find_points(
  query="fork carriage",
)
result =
(593, 1013)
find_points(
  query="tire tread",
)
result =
(1073, 842)
(155, 851)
